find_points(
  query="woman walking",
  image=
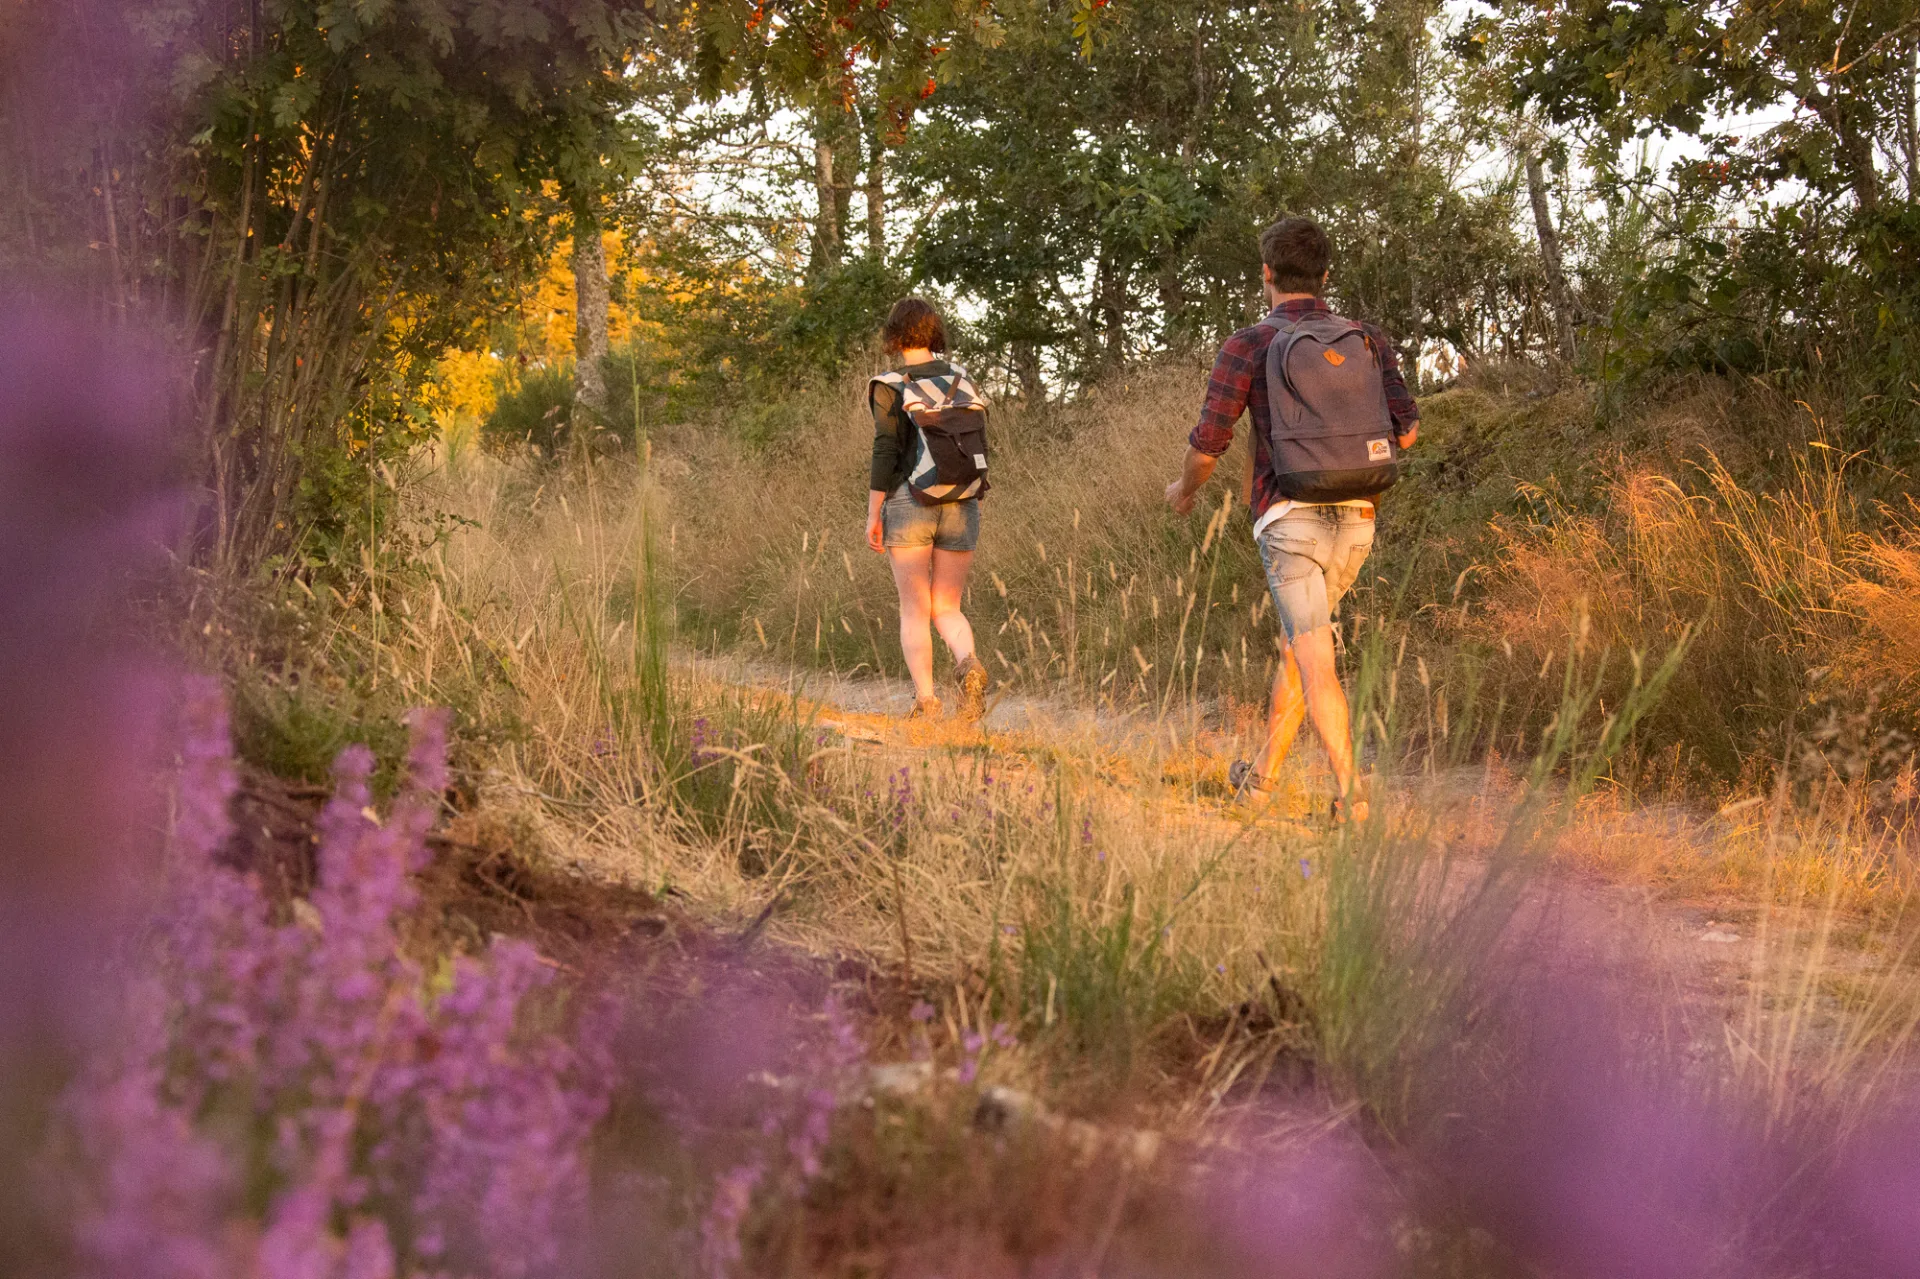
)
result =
(923, 504)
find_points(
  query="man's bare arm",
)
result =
(1197, 471)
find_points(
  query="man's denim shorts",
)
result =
(1312, 555)
(951, 526)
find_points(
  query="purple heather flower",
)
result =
(464, 1128)
(720, 1228)
(971, 1042)
(699, 740)
(207, 779)
(816, 1126)
(369, 1253)
(922, 1011)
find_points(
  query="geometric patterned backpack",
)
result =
(950, 460)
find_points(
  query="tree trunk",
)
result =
(1110, 297)
(1550, 254)
(1173, 303)
(826, 230)
(1910, 135)
(1026, 368)
(1856, 145)
(1416, 297)
(846, 164)
(113, 232)
(876, 194)
(589, 326)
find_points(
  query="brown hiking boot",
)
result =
(925, 708)
(971, 676)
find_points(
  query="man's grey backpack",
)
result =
(950, 414)
(1332, 437)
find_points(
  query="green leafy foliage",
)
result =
(533, 414)
(1780, 246)
(324, 195)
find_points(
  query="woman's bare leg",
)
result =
(913, 578)
(950, 570)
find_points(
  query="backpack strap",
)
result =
(899, 384)
(1285, 334)
(931, 394)
(1288, 332)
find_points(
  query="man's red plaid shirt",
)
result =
(1239, 384)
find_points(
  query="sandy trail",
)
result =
(1708, 974)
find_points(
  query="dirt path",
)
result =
(1709, 973)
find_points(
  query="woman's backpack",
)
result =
(950, 462)
(1332, 436)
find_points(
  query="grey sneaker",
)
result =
(1243, 780)
(971, 676)
(925, 708)
(1247, 799)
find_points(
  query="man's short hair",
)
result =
(912, 324)
(1299, 254)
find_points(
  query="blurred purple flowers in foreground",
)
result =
(387, 1119)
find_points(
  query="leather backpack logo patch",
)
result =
(1335, 358)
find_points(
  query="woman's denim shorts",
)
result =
(1312, 556)
(951, 526)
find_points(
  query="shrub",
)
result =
(533, 414)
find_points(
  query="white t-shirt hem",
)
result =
(1285, 505)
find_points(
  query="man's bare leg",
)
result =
(1286, 708)
(1327, 705)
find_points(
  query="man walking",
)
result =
(1330, 414)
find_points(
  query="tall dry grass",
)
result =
(1793, 600)
(1795, 596)
(1084, 581)
(1139, 945)
(1067, 886)
(1886, 597)
(1047, 888)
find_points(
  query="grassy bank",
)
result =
(1070, 910)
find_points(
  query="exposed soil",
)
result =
(479, 886)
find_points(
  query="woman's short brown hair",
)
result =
(912, 324)
(1297, 252)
